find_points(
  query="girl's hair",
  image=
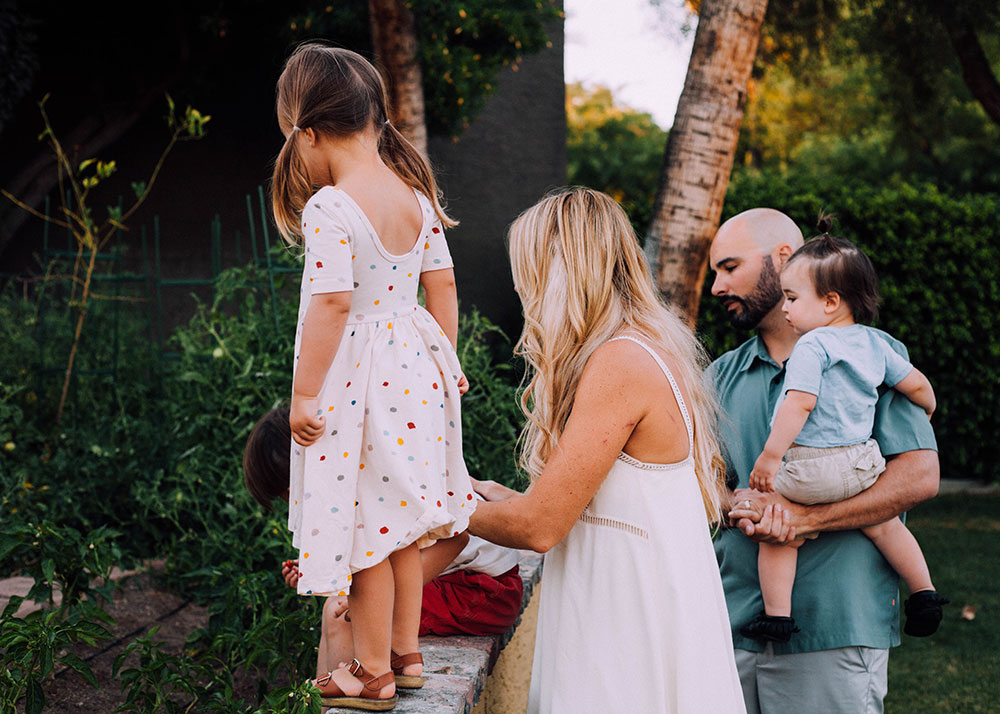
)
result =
(582, 277)
(266, 457)
(836, 265)
(336, 93)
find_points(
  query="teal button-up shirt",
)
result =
(845, 592)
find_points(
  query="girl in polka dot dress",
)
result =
(376, 462)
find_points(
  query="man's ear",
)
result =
(831, 303)
(784, 253)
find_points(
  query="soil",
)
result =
(138, 606)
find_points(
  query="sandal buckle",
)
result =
(354, 667)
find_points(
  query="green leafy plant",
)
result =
(62, 561)
(77, 215)
(32, 646)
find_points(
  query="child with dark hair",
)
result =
(471, 586)
(820, 448)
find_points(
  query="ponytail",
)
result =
(290, 190)
(336, 93)
(404, 159)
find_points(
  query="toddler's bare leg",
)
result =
(371, 603)
(408, 576)
(336, 641)
(776, 567)
(901, 549)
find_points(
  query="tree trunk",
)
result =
(700, 148)
(394, 35)
(976, 70)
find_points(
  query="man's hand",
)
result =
(765, 517)
(307, 423)
(764, 471)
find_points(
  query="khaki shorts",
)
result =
(811, 475)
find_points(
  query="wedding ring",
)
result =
(746, 504)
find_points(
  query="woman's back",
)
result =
(660, 435)
(634, 588)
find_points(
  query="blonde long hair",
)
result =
(582, 278)
(337, 93)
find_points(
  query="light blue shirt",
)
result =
(843, 367)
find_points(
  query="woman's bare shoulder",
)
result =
(620, 361)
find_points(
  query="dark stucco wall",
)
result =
(504, 162)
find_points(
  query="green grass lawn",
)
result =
(958, 669)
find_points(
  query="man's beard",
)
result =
(761, 300)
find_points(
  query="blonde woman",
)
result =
(625, 487)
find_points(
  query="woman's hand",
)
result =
(491, 490)
(764, 517)
(463, 384)
(290, 572)
(307, 423)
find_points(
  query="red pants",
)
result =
(468, 603)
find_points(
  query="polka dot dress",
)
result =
(388, 471)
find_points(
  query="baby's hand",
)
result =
(305, 419)
(762, 476)
(290, 572)
(463, 385)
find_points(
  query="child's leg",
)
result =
(371, 603)
(408, 578)
(776, 568)
(900, 548)
(438, 556)
(336, 641)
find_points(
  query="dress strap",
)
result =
(673, 385)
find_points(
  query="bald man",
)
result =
(845, 595)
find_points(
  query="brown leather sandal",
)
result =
(368, 700)
(398, 661)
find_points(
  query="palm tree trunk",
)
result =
(394, 35)
(700, 148)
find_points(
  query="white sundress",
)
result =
(632, 616)
(388, 470)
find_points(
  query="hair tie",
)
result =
(295, 128)
(386, 122)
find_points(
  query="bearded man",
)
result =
(845, 594)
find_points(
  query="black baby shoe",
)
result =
(923, 613)
(771, 628)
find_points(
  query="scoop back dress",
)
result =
(632, 615)
(388, 470)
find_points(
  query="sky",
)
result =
(633, 48)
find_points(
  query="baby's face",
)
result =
(803, 308)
